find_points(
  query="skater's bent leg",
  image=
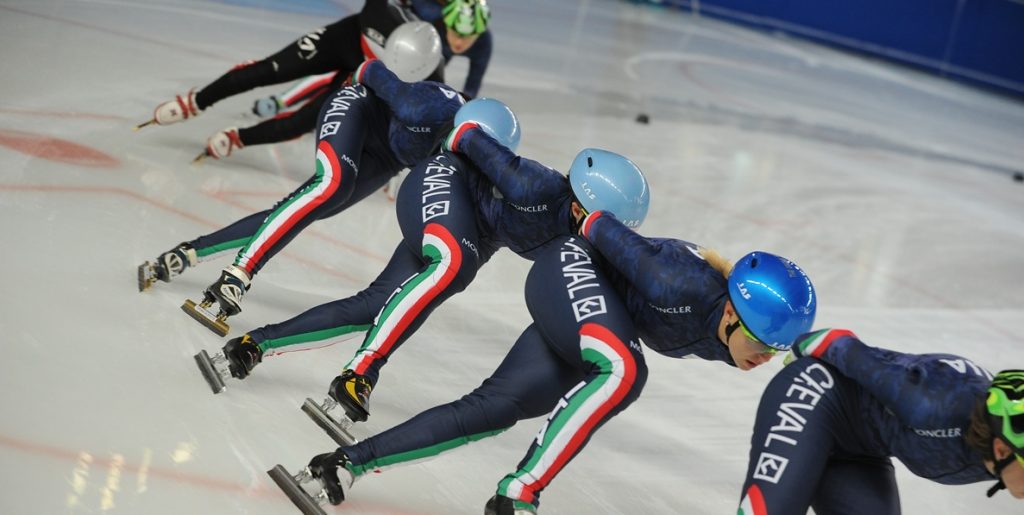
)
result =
(855, 486)
(618, 374)
(338, 161)
(340, 320)
(601, 344)
(450, 253)
(447, 271)
(317, 52)
(527, 384)
(230, 238)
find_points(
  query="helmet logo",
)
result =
(743, 290)
(587, 191)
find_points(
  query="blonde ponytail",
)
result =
(716, 260)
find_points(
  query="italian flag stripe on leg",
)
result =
(753, 503)
(818, 343)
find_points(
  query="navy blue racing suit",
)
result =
(581, 360)
(829, 423)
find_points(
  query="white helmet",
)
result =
(412, 51)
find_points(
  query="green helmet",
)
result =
(467, 17)
(1005, 405)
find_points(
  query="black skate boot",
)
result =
(501, 505)
(329, 469)
(243, 355)
(352, 392)
(168, 265)
(227, 292)
(237, 359)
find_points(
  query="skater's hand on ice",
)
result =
(451, 143)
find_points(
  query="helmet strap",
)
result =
(998, 469)
(729, 329)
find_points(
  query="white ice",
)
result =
(892, 188)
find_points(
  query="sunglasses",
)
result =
(769, 350)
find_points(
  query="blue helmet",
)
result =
(494, 117)
(606, 181)
(773, 297)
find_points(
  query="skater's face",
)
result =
(1013, 474)
(458, 42)
(746, 351)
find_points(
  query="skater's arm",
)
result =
(655, 267)
(520, 180)
(418, 104)
(918, 388)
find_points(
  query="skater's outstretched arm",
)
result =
(413, 103)
(520, 180)
(652, 265)
(922, 390)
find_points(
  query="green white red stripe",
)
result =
(282, 220)
(588, 222)
(588, 405)
(444, 261)
(817, 343)
(383, 463)
(456, 135)
(753, 502)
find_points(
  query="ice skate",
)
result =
(221, 145)
(329, 472)
(501, 505)
(267, 107)
(352, 392)
(168, 265)
(237, 359)
(227, 293)
(174, 111)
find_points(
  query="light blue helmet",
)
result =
(494, 117)
(606, 181)
(773, 297)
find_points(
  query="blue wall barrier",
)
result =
(979, 41)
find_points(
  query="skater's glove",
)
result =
(360, 74)
(451, 143)
(588, 222)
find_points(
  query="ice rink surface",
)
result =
(893, 189)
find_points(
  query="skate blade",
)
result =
(146, 278)
(338, 431)
(144, 124)
(302, 500)
(201, 314)
(210, 372)
(202, 155)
